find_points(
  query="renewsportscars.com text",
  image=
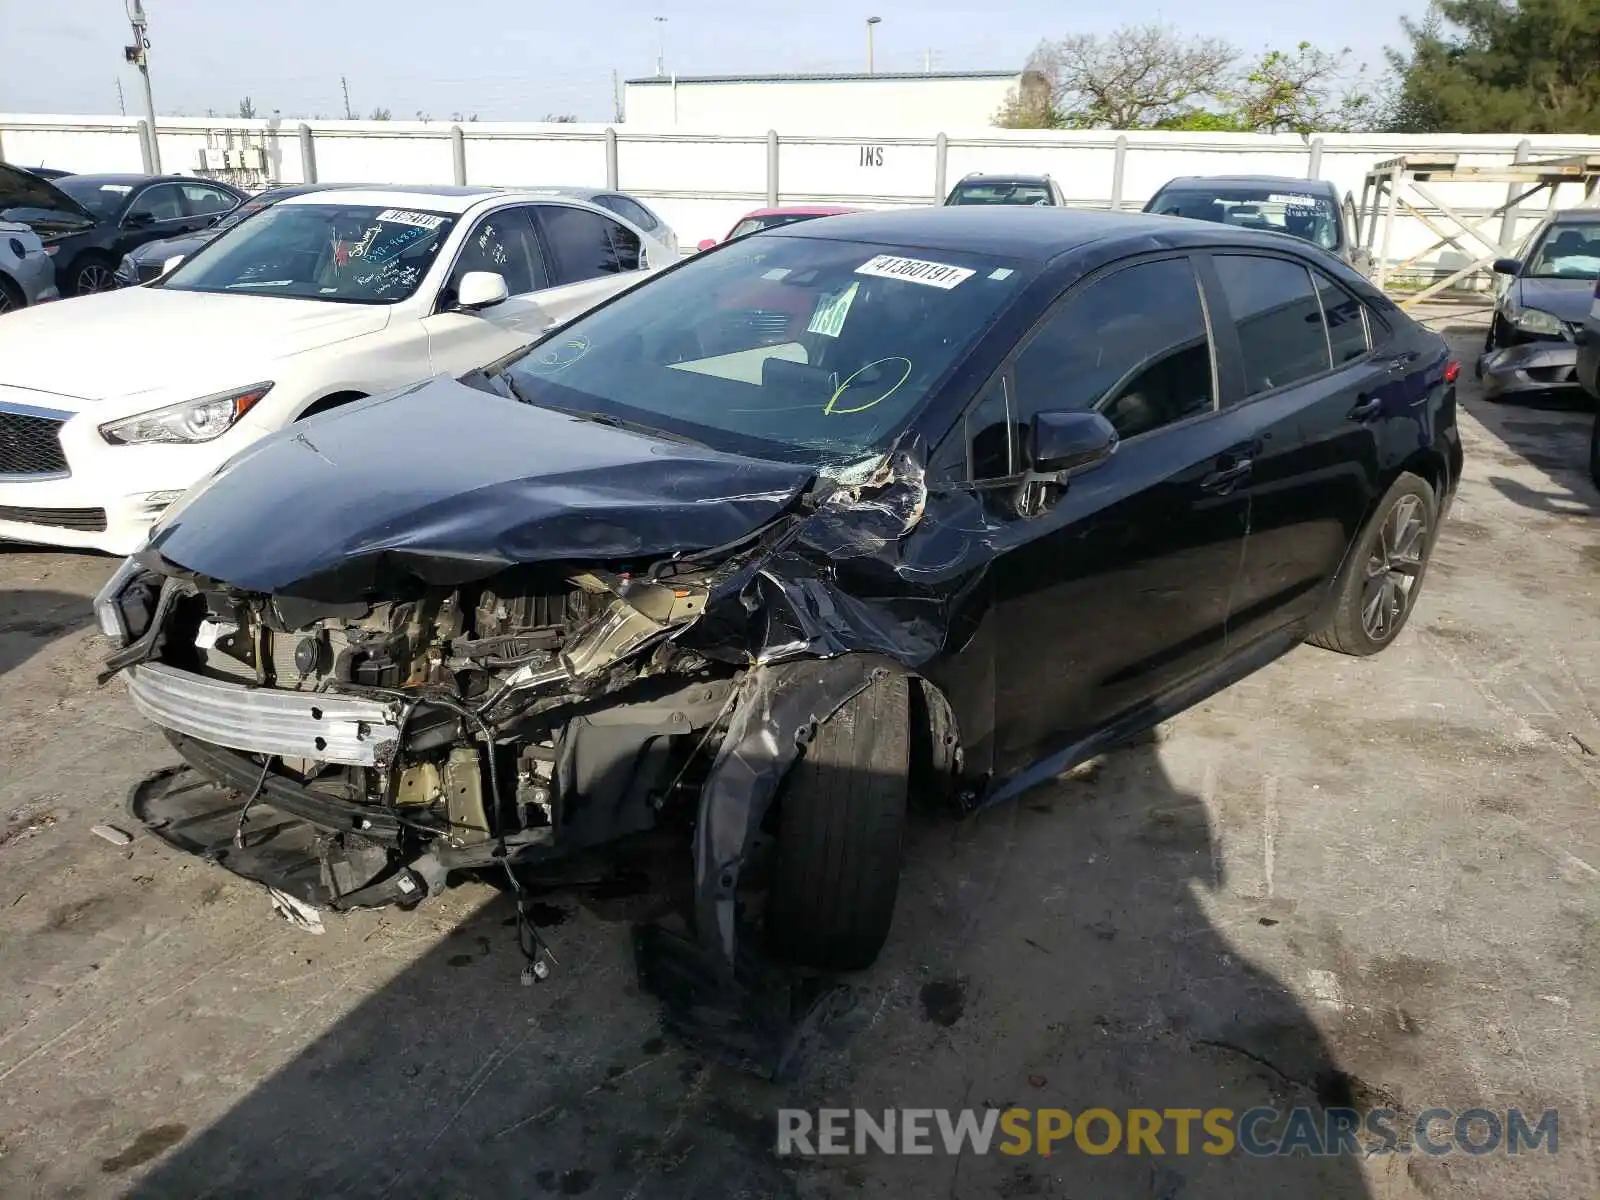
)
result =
(1258, 1132)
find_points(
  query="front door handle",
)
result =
(1221, 481)
(1369, 407)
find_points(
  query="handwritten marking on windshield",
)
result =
(831, 407)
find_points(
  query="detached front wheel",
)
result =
(840, 825)
(1382, 576)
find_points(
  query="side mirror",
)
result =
(138, 220)
(706, 244)
(171, 264)
(1506, 266)
(1060, 442)
(481, 289)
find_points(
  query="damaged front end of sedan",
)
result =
(401, 689)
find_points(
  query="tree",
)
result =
(1301, 91)
(1133, 78)
(379, 114)
(455, 116)
(1500, 66)
(247, 109)
(562, 119)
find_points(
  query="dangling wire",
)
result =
(255, 794)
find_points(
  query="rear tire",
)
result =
(842, 818)
(1382, 575)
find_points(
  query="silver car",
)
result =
(27, 276)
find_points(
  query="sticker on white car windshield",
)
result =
(915, 270)
(400, 216)
(828, 320)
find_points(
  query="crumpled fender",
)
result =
(780, 706)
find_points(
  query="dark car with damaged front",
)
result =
(903, 507)
(1542, 301)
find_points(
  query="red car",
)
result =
(771, 218)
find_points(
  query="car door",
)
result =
(1310, 396)
(206, 204)
(1116, 590)
(501, 242)
(591, 256)
(152, 213)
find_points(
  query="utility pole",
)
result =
(122, 107)
(348, 115)
(661, 46)
(871, 21)
(139, 55)
(616, 98)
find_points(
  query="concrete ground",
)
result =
(1365, 882)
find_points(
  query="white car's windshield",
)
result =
(1310, 216)
(354, 254)
(1568, 251)
(804, 349)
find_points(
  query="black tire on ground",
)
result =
(842, 816)
(1394, 546)
(1594, 449)
(11, 297)
(92, 273)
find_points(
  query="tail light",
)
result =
(1452, 371)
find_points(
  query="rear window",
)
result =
(1311, 216)
(1000, 193)
(772, 221)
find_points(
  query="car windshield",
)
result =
(770, 221)
(1000, 193)
(800, 349)
(353, 254)
(1311, 217)
(101, 198)
(1568, 251)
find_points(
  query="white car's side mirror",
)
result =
(481, 289)
(171, 264)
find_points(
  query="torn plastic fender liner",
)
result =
(780, 707)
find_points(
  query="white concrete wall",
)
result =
(702, 182)
(878, 106)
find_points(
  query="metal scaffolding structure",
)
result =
(1383, 194)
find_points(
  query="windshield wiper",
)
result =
(615, 422)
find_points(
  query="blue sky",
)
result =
(508, 61)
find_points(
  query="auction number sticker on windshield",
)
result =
(915, 270)
(828, 320)
(400, 216)
(1297, 201)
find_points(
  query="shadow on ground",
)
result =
(1087, 975)
(31, 620)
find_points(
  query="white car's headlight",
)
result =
(192, 421)
(127, 270)
(1532, 320)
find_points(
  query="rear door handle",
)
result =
(1369, 407)
(1221, 481)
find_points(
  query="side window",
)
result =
(1278, 318)
(1347, 327)
(626, 244)
(501, 242)
(1133, 345)
(583, 244)
(629, 210)
(203, 201)
(164, 202)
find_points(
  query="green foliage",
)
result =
(247, 108)
(1499, 66)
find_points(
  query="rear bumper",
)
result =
(1535, 367)
(310, 725)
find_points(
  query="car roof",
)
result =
(1587, 215)
(801, 210)
(1032, 232)
(981, 178)
(1188, 181)
(133, 177)
(398, 195)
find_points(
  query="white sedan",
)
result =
(113, 405)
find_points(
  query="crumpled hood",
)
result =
(138, 339)
(1565, 298)
(443, 484)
